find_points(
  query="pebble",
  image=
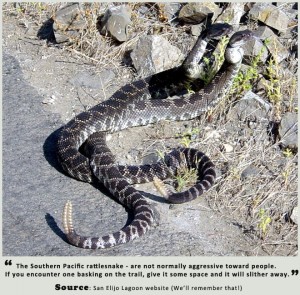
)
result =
(232, 14)
(288, 130)
(228, 148)
(250, 108)
(274, 46)
(154, 54)
(196, 12)
(250, 171)
(270, 15)
(68, 22)
(49, 100)
(253, 47)
(171, 9)
(294, 216)
(115, 22)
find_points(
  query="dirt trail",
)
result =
(39, 96)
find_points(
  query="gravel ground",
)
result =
(39, 96)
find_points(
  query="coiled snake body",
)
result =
(132, 106)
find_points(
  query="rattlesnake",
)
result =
(132, 106)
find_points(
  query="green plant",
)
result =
(188, 86)
(185, 176)
(244, 79)
(186, 141)
(273, 87)
(264, 221)
(287, 173)
(212, 69)
(291, 90)
(187, 137)
(287, 153)
(160, 154)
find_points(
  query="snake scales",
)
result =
(133, 105)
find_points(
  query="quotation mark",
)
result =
(8, 262)
(295, 272)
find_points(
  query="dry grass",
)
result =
(259, 204)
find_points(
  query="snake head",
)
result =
(240, 38)
(217, 30)
(234, 52)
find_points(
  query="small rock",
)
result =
(196, 12)
(232, 14)
(276, 49)
(253, 47)
(196, 30)
(115, 22)
(270, 15)
(31, 31)
(128, 157)
(151, 158)
(69, 21)
(171, 10)
(294, 216)
(261, 84)
(248, 6)
(288, 130)
(251, 108)
(49, 100)
(263, 32)
(61, 38)
(67, 36)
(228, 148)
(213, 134)
(67, 16)
(292, 14)
(252, 96)
(154, 54)
(250, 171)
(274, 46)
